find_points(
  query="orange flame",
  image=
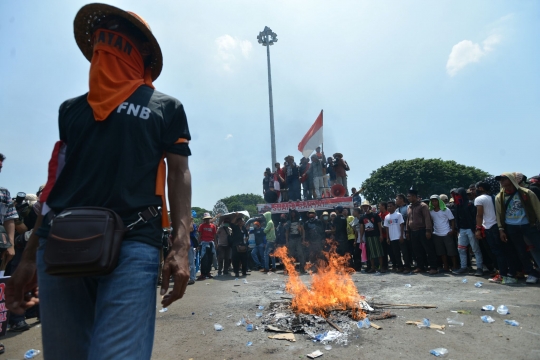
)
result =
(332, 287)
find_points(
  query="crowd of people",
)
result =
(308, 180)
(496, 221)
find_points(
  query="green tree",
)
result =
(429, 176)
(243, 202)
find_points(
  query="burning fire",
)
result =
(332, 287)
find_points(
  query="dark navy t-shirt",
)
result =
(114, 163)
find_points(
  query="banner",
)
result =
(313, 138)
(4, 314)
(302, 206)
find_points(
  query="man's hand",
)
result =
(388, 242)
(22, 290)
(478, 235)
(381, 238)
(428, 235)
(177, 265)
(8, 254)
(503, 236)
(401, 240)
(408, 235)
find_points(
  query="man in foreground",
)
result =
(113, 142)
(518, 218)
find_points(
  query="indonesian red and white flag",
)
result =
(313, 138)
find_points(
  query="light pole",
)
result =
(266, 38)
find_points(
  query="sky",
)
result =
(456, 80)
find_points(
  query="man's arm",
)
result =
(177, 264)
(9, 225)
(24, 279)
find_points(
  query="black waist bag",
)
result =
(84, 241)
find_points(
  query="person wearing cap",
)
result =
(341, 167)
(518, 219)
(371, 229)
(207, 239)
(113, 143)
(444, 198)
(315, 236)
(522, 181)
(443, 231)
(419, 229)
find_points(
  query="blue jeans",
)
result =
(465, 238)
(192, 254)
(520, 236)
(270, 246)
(93, 317)
(258, 255)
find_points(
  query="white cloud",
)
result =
(466, 52)
(232, 49)
(229, 136)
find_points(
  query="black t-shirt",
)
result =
(340, 224)
(114, 163)
(314, 229)
(371, 223)
(259, 236)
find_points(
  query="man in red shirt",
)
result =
(207, 237)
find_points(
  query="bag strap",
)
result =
(145, 216)
(508, 201)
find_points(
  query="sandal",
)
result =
(2, 348)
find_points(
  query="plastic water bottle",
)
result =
(249, 343)
(259, 314)
(488, 308)
(364, 324)
(261, 307)
(487, 319)
(425, 324)
(30, 354)
(218, 327)
(439, 352)
(511, 322)
(249, 327)
(478, 284)
(245, 281)
(454, 321)
(408, 285)
(464, 281)
(503, 310)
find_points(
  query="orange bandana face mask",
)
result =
(116, 71)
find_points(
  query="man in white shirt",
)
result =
(486, 226)
(396, 237)
(443, 230)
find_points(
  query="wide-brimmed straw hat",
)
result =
(365, 202)
(89, 16)
(207, 216)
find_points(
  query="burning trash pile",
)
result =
(327, 310)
